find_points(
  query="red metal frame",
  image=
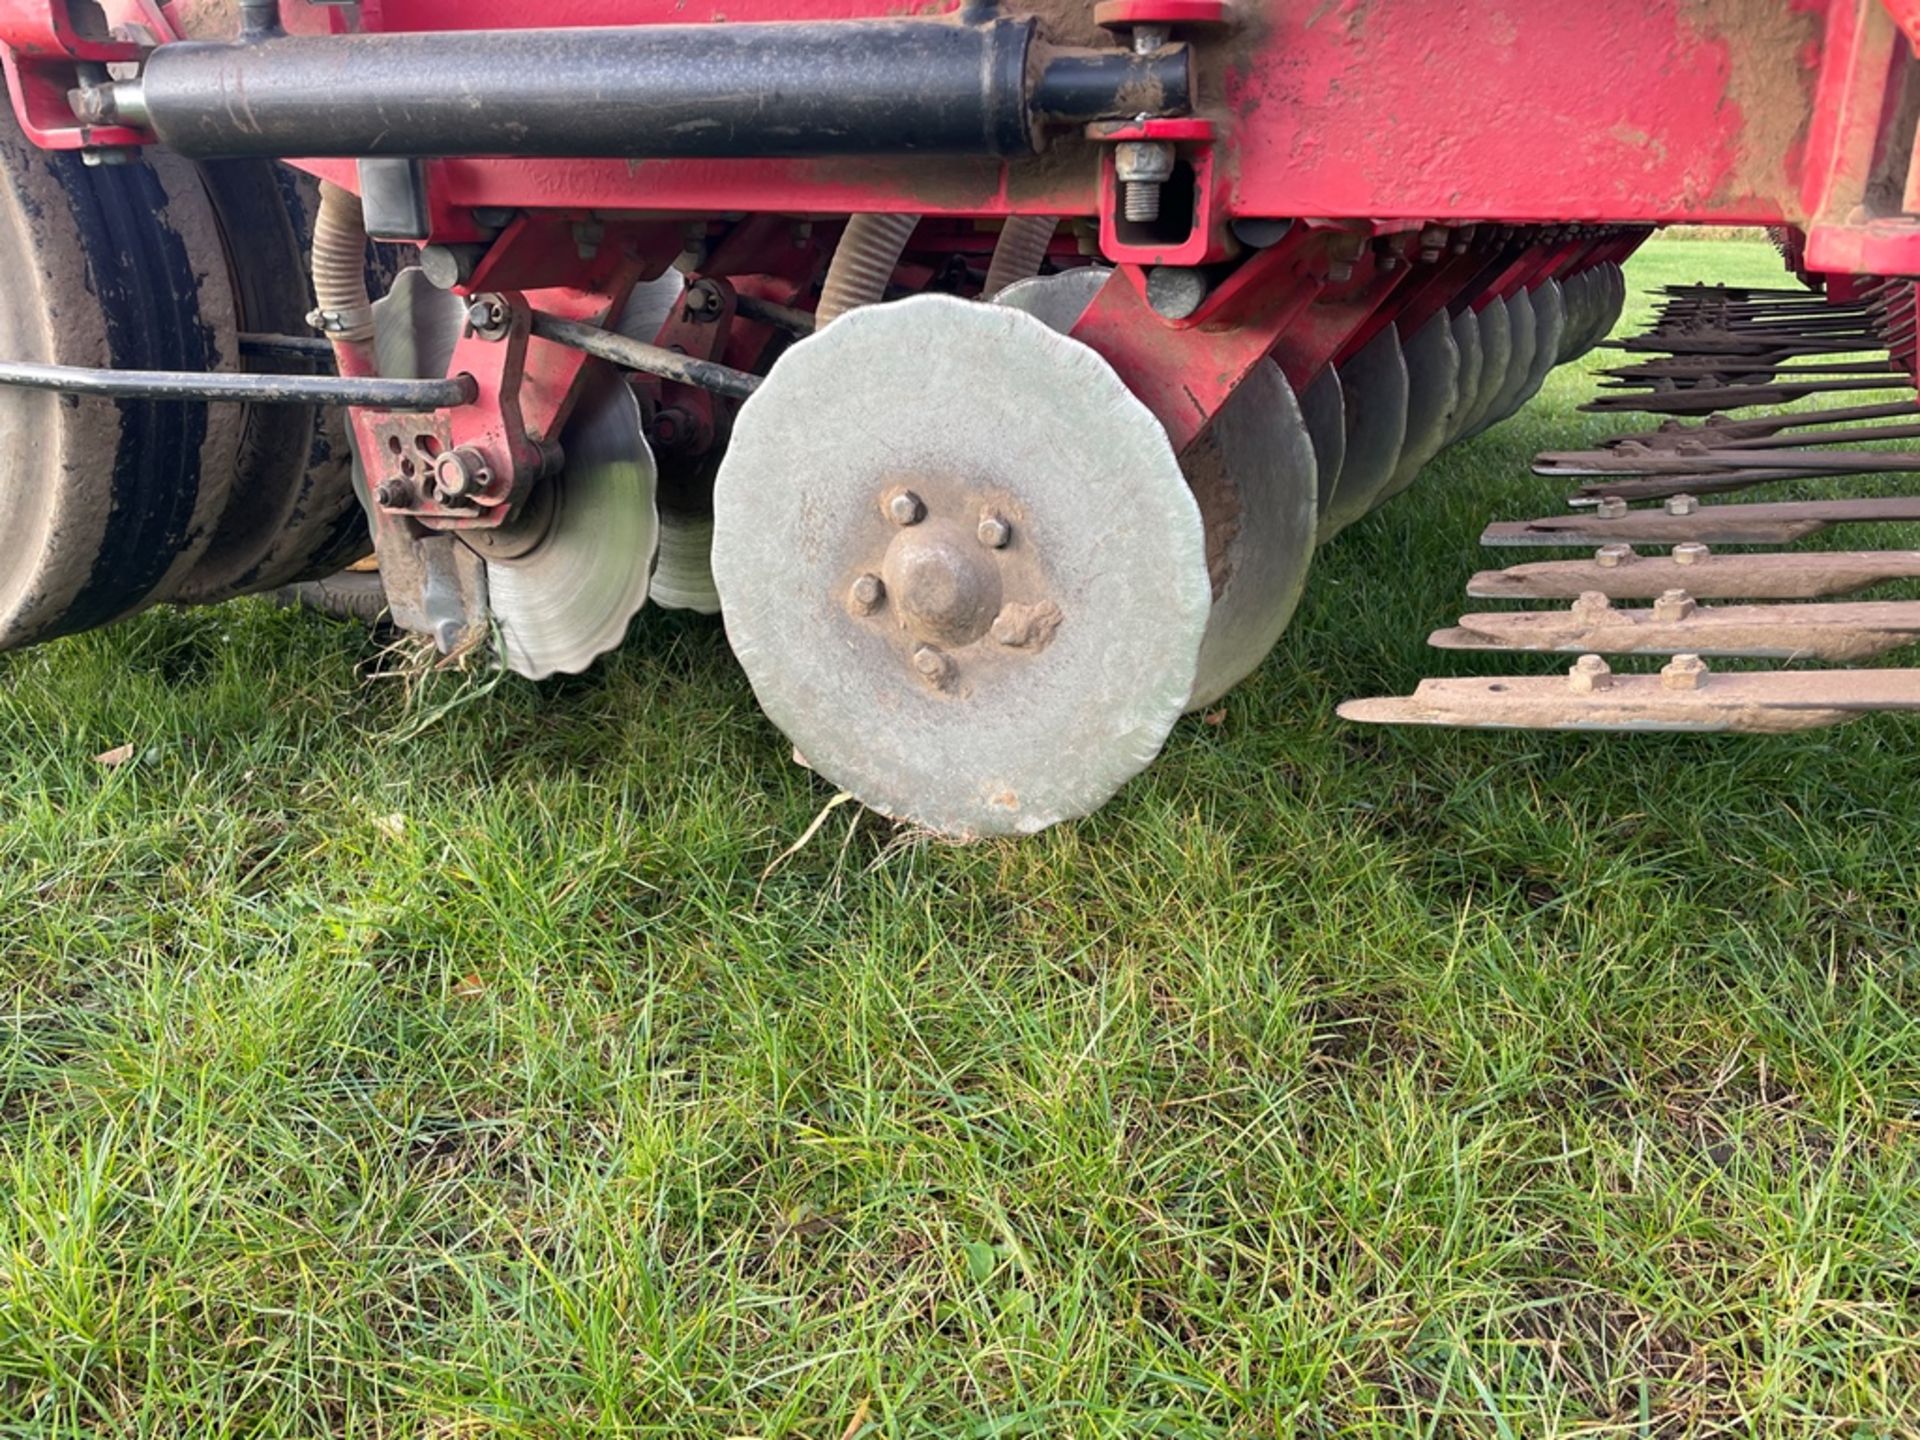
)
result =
(1533, 139)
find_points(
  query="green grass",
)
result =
(1330, 1081)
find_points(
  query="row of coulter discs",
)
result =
(957, 558)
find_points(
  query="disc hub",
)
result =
(943, 584)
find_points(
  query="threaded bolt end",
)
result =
(1142, 201)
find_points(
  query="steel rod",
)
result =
(251, 389)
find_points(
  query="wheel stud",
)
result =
(905, 508)
(993, 531)
(865, 595)
(936, 669)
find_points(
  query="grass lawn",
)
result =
(385, 1065)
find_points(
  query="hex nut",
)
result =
(993, 531)
(1673, 606)
(1589, 673)
(1592, 604)
(905, 508)
(936, 669)
(865, 594)
(1684, 672)
(1690, 552)
(1682, 504)
(1611, 557)
(1611, 507)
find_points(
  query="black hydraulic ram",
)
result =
(852, 87)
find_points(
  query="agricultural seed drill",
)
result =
(993, 372)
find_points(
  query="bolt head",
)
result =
(1682, 505)
(1590, 673)
(994, 532)
(1684, 672)
(1611, 507)
(936, 669)
(1612, 557)
(865, 594)
(905, 508)
(1143, 161)
(1690, 552)
(393, 494)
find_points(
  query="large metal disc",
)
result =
(1323, 409)
(683, 569)
(1253, 475)
(1374, 382)
(683, 563)
(1496, 349)
(568, 574)
(960, 566)
(1466, 339)
(1520, 342)
(1574, 293)
(588, 533)
(1549, 322)
(1433, 395)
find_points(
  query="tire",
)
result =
(292, 513)
(107, 505)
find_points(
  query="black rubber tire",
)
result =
(106, 505)
(350, 595)
(292, 513)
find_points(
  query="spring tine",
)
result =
(1768, 523)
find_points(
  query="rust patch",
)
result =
(1771, 56)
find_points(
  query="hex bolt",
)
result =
(1142, 167)
(936, 669)
(1611, 507)
(1592, 604)
(1673, 606)
(1612, 557)
(1590, 673)
(1690, 552)
(865, 594)
(1684, 672)
(1149, 38)
(1682, 505)
(1174, 291)
(905, 508)
(994, 532)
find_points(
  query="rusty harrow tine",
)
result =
(1684, 696)
(1732, 397)
(1667, 487)
(1687, 462)
(1769, 523)
(1725, 432)
(1843, 632)
(1697, 369)
(1621, 573)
